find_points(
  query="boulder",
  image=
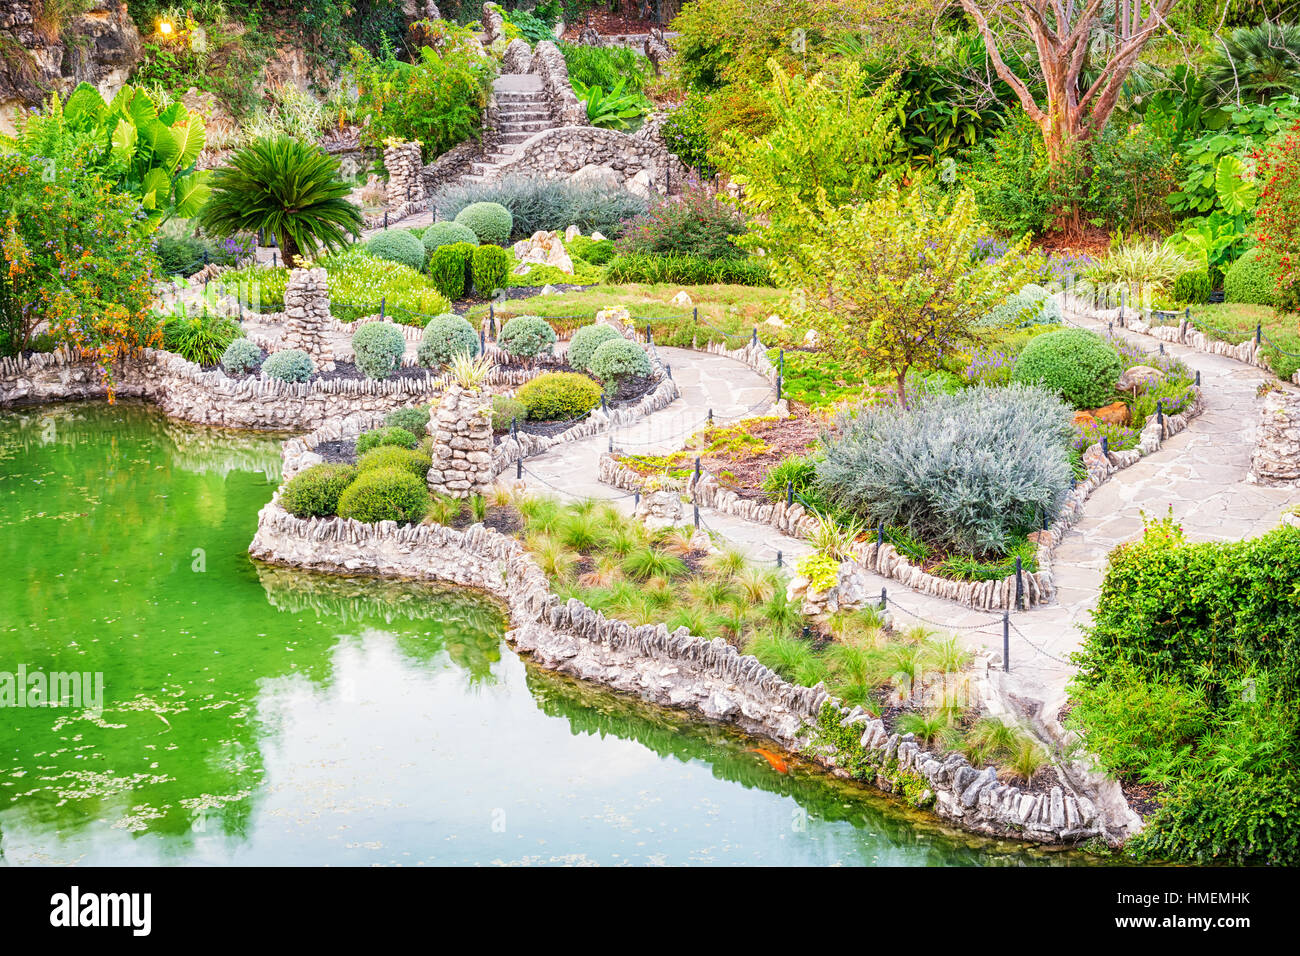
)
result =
(1139, 378)
(1116, 413)
(811, 338)
(774, 321)
(682, 299)
(642, 184)
(1083, 420)
(591, 175)
(572, 233)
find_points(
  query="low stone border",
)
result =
(184, 390)
(676, 668)
(1184, 333)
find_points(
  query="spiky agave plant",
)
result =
(284, 188)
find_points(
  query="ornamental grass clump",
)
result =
(964, 472)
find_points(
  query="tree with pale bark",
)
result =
(1082, 52)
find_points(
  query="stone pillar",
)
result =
(307, 316)
(405, 173)
(461, 427)
(1276, 460)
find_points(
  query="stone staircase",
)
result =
(523, 112)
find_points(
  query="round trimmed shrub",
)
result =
(288, 365)
(558, 396)
(490, 221)
(414, 420)
(389, 435)
(1252, 279)
(505, 410)
(241, 356)
(527, 336)
(586, 340)
(390, 456)
(378, 347)
(618, 358)
(491, 269)
(314, 492)
(397, 245)
(1078, 365)
(445, 337)
(385, 494)
(447, 234)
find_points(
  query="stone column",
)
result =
(461, 427)
(308, 321)
(1276, 460)
(405, 173)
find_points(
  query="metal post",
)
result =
(519, 468)
(753, 340)
(514, 427)
(649, 336)
(880, 535)
(1105, 450)
(778, 559)
(1198, 378)
(636, 500)
(778, 386)
(710, 418)
(780, 361)
(383, 306)
(1110, 327)
(492, 321)
(482, 342)
(1259, 331)
(1162, 348)
(385, 218)
(695, 315)
(697, 515)
(697, 469)
(1006, 642)
(1160, 411)
(884, 599)
(789, 493)
(1044, 519)
(1020, 584)
(274, 260)
(603, 406)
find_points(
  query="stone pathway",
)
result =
(1200, 472)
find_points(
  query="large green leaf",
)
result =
(192, 193)
(124, 140)
(84, 106)
(1236, 192)
(190, 137)
(163, 144)
(156, 189)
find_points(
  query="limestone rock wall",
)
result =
(309, 324)
(461, 427)
(405, 169)
(559, 153)
(548, 63)
(184, 390)
(1276, 459)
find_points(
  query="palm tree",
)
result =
(1253, 65)
(287, 189)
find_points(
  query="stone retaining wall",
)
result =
(184, 390)
(1276, 459)
(560, 152)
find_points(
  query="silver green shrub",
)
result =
(551, 205)
(447, 234)
(288, 365)
(397, 245)
(490, 221)
(378, 347)
(445, 337)
(586, 340)
(963, 471)
(526, 337)
(1032, 305)
(241, 356)
(617, 359)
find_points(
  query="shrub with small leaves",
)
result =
(1193, 288)
(390, 456)
(414, 420)
(314, 493)
(526, 337)
(559, 396)
(618, 359)
(1077, 364)
(1252, 279)
(445, 337)
(378, 347)
(491, 268)
(490, 221)
(506, 410)
(241, 356)
(385, 494)
(388, 435)
(288, 365)
(447, 234)
(449, 268)
(586, 340)
(397, 245)
(596, 251)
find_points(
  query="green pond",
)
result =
(254, 715)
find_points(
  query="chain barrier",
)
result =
(1047, 654)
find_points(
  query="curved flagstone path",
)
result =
(1199, 473)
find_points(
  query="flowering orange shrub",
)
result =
(74, 263)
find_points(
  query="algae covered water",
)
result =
(254, 715)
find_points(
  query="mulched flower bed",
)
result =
(504, 519)
(341, 452)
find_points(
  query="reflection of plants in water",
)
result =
(186, 649)
(469, 625)
(733, 756)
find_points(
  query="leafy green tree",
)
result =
(287, 189)
(831, 146)
(896, 282)
(142, 147)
